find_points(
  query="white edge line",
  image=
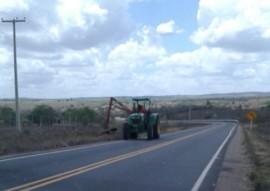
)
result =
(199, 181)
(58, 151)
(64, 150)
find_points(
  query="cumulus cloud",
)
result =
(93, 48)
(10, 5)
(57, 36)
(168, 28)
(240, 31)
(74, 24)
(80, 13)
(91, 24)
(234, 25)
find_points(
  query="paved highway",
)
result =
(186, 160)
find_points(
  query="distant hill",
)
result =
(213, 96)
(160, 97)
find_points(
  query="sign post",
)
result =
(251, 117)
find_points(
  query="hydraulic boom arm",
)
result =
(114, 102)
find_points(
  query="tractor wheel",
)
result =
(150, 131)
(134, 135)
(125, 131)
(157, 129)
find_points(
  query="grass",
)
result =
(258, 144)
(260, 179)
(46, 138)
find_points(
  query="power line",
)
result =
(18, 118)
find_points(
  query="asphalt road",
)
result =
(186, 160)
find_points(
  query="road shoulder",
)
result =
(236, 165)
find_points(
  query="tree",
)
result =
(208, 104)
(7, 115)
(81, 115)
(42, 114)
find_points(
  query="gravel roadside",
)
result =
(236, 165)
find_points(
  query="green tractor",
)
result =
(142, 120)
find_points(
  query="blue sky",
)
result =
(183, 12)
(97, 48)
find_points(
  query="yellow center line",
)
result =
(80, 170)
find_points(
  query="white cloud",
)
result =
(235, 25)
(136, 53)
(91, 48)
(60, 44)
(75, 24)
(82, 14)
(148, 36)
(168, 28)
(99, 24)
(14, 4)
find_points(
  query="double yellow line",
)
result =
(77, 171)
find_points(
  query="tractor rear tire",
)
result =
(125, 131)
(157, 129)
(150, 131)
(134, 135)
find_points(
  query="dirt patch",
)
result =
(236, 165)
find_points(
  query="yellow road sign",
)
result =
(251, 115)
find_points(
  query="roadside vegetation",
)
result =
(52, 124)
(258, 140)
(44, 128)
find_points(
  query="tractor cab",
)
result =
(141, 105)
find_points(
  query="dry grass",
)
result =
(46, 138)
(258, 141)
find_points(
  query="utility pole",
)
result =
(18, 118)
(189, 112)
